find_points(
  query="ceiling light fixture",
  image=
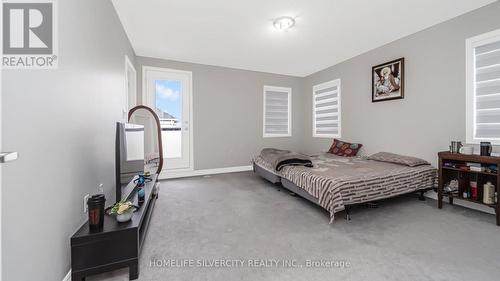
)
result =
(284, 23)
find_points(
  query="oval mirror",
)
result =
(153, 149)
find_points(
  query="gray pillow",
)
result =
(398, 159)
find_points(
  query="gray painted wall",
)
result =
(433, 111)
(62, 122)
(227, 112)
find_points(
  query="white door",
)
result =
(169, 93)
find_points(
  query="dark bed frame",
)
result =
(295, 190)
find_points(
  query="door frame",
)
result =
(145, 69)
(1, 128)
(129, 66)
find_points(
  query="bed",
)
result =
(336, 182)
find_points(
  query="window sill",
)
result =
(276, 136)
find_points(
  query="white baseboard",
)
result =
(195, 173)
(68, 276)
(470, 205)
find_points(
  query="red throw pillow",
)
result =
(346, 149)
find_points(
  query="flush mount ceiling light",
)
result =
(283, 23)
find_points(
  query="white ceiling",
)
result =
(239, 34)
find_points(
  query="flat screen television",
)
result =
(129, 154)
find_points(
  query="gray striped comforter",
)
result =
(339, 181)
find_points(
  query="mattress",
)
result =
(341, 181)
(259, 161)
(267, 174)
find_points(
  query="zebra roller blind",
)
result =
(326, 110)
(277, 111)
(483, 93)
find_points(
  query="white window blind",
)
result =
(277, 111)
(326, 110)
(483, 88)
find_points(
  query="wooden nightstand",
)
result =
(450, 168)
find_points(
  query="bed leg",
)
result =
(347, 214)
(421, 197)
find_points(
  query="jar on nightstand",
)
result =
(488, 193)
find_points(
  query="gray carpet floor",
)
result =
(240, 216)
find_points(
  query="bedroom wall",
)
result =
(227, 112)
(62, 123)
(433, 110)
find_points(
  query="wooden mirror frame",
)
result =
(134, 109)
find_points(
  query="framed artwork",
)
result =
(388, 80)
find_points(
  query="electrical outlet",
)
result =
(100, 188)
(85, 206)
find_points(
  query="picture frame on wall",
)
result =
(388, 80)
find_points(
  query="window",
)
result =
(483, 88)
(277, 112)
(326, 110)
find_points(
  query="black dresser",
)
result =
(118, 245)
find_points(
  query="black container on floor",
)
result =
(96, 212)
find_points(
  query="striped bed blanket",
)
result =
(340, 181)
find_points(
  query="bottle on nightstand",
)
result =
(473, 190)
(488, 193)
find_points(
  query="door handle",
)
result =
(8, 156)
